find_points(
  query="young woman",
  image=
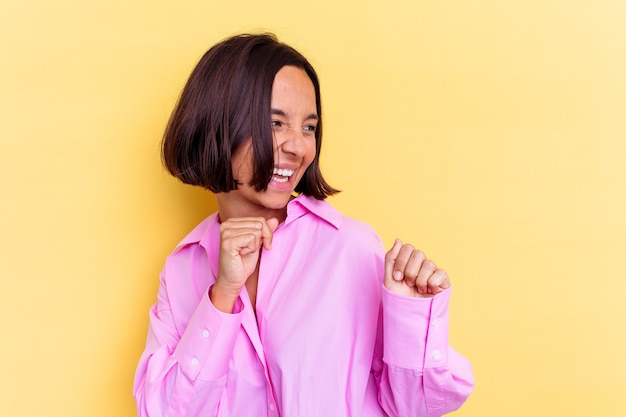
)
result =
(278, 305)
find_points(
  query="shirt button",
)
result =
(272, 407)
(435, 322)
(436, 354)
(194, 362)
(205, 334)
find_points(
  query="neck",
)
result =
(228, 209)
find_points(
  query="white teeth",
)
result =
(283, 172)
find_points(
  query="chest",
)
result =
(304, 309)
(251, 288)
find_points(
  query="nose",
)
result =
(292, 142)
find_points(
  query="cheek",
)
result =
(311, 151)
(242, 164)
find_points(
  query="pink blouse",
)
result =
(328, 338)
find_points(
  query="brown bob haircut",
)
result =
(226, 101)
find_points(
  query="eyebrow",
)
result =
(279, 112)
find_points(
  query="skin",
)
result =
(249, 217)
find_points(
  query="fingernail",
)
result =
(397, 275)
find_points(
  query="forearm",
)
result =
(174, 371)
(421, 374)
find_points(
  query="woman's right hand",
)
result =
(241, 240)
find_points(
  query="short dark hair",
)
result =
(226, 101)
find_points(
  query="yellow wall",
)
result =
(490, 133)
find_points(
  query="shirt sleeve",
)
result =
(420, 374)
(185, 374)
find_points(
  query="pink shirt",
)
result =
(330, 340)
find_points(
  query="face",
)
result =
(294, 121)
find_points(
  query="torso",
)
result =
(251, 286)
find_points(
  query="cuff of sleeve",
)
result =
(209, 334)
(415, 330)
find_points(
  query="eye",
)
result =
(276, 123)
(310, 128)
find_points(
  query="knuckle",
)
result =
(418, 257)
(400, 264)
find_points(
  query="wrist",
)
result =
(223, 299)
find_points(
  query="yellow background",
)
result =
(492, 134)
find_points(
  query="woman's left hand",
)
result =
(408, 272)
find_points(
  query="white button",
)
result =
(205, 334)
(194, 362)
(435, 322)
(272, 408)
(436, 354)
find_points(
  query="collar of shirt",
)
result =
(296, 208)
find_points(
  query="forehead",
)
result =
(293, 87)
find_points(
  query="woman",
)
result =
(278, 304)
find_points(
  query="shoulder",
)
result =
(198, 234)
(360, 233)
(358, 227)
(340, 228)
(191, 257)
(353, 248)
(188, 271)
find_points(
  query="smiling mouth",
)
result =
(282, 175)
